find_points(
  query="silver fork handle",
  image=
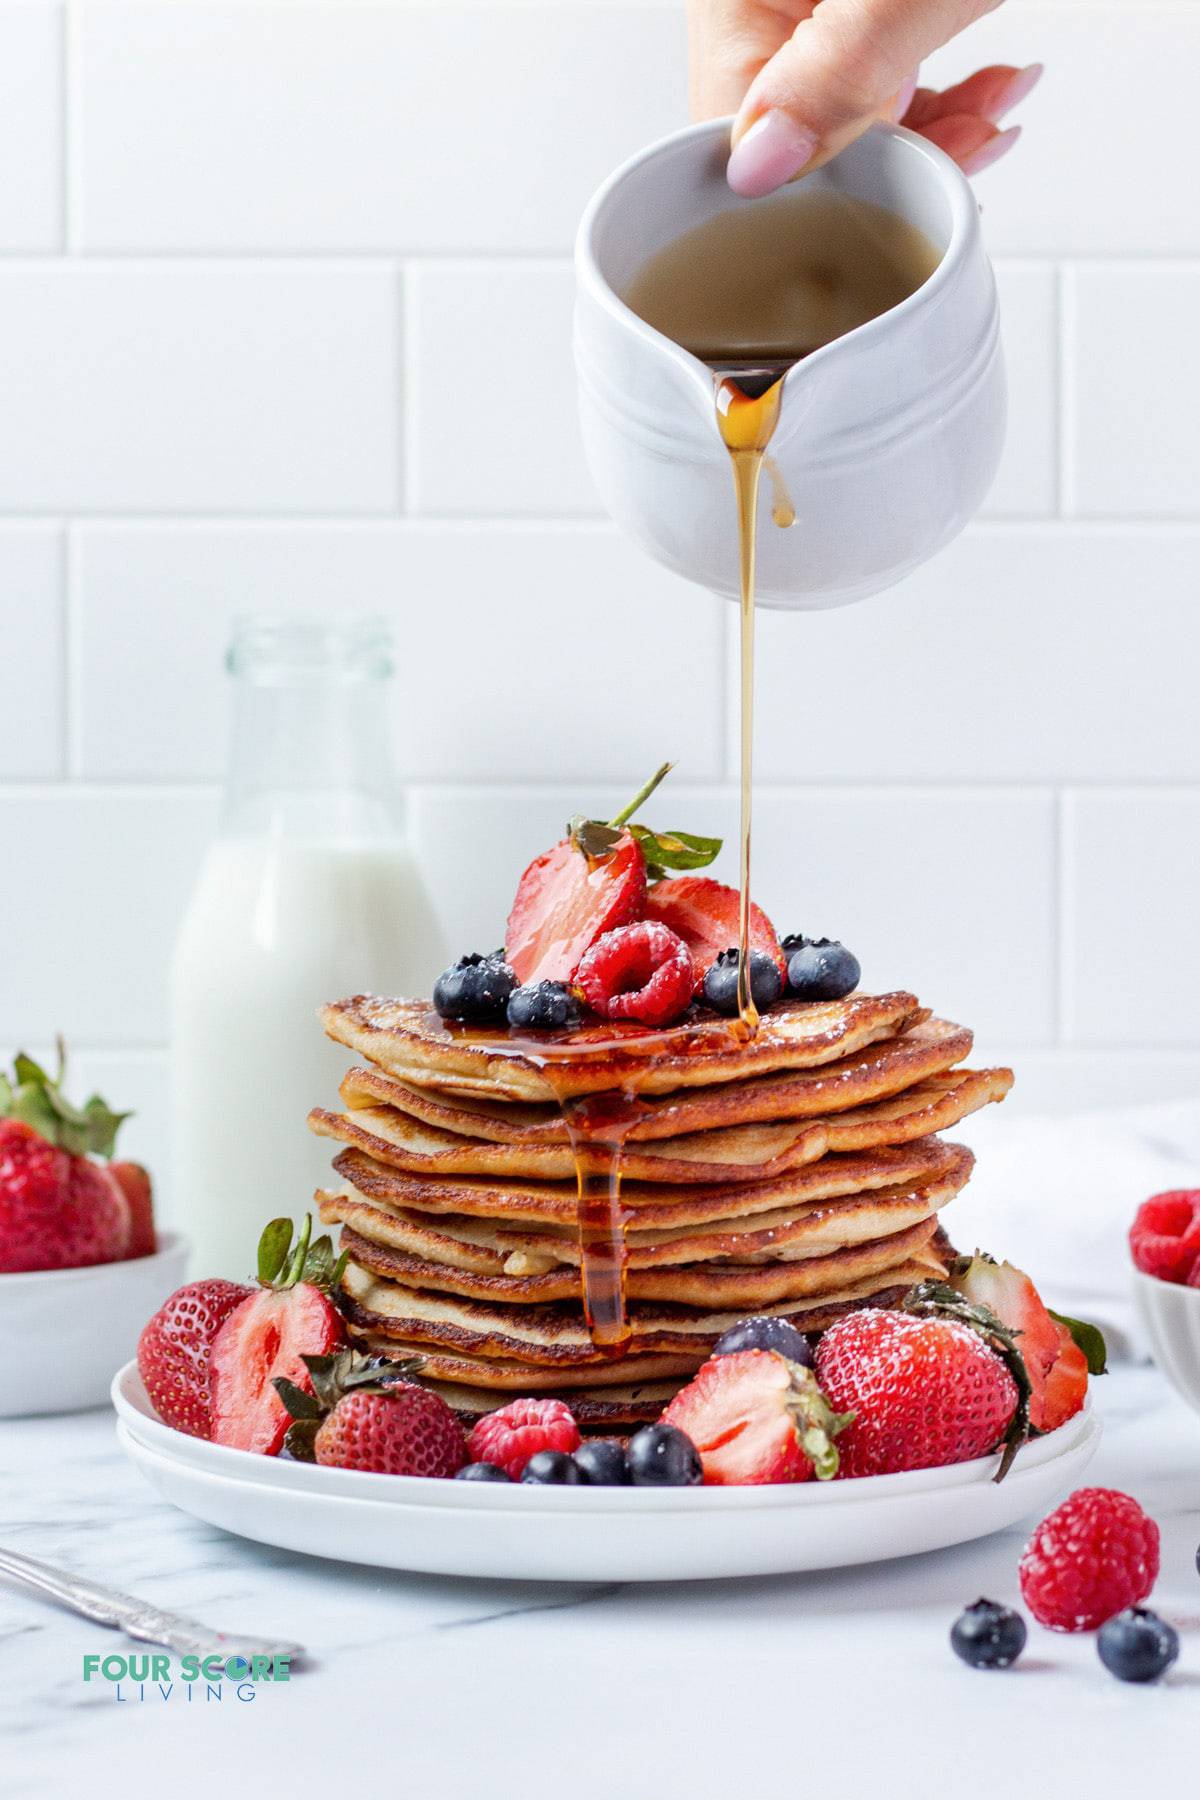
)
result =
(137, 1618)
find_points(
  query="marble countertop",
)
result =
(839, 1683)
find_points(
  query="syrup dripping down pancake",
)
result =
(651, 1204)
(887, 1068)
(408, 1040)
(731, 1153)
(476, 1252)
(555, 1336)
(747, 1286)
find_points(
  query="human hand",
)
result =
(805, 77)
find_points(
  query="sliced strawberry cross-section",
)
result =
(706, 915)
(566, 900)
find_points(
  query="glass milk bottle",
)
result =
(309, 892)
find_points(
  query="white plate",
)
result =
(64, 1331)
(591, 1534)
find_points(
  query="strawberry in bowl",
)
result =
(80, 1258)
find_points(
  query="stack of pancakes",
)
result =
(796, 1173)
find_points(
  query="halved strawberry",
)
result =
(1057, 1369)
(756, 1417)
(269, 1334)
(567, 899)
(175, 1350)
(590, 883)
(705, 914)
(134, 1183)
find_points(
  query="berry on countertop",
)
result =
(59, 1207)
(641, 971)
(510, 1436)
(475, 990)
(543, 1006)
(721, 981)
(134, 1183)
(602, 1463)
(663, 1456)
(1093, 1556)
(175, 1348)
(287, 1318)
(1055, 1361)
(988, 1636)
(360, 1412)
(552, 1468)
(756, 1418)
(924, 1391)
(820, 968)
(591, 882)
(1165, 1235)
(482, 1471)
(1136, 1645)
(706, 915)
(766, 1333)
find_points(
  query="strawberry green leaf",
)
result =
(675, 849)
(299, 1404)
(273, 1247)
(592, 837)
(1089, 1338)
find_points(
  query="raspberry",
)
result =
(641, 971)
(1165, 1235)
(509, 1438)
(1092, 1557)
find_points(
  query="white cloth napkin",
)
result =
(1057, 1196)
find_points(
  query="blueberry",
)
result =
(476, 990)
(1136, 1645)
(483, 1471)
(602, 1463)
(779, 1335)
(663, 1456)
(721, 981)
(820, 968)
(988, 1636)
(552, 1468)
(544, 1006)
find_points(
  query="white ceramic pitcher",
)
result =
(888, 437)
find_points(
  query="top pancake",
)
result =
(885, 1068)
(407, 1038)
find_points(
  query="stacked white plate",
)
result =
(586, 1533)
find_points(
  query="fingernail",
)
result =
(992, 151)
(1018, 89)
(770, 153)
(903, 99)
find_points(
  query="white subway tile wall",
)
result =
(285, 317)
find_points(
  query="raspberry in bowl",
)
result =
(80, 1259)
(1164, 1242)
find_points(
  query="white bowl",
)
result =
(592, 1534)
(1171, 1316)
(63, 1332)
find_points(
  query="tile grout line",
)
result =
(410, 396)
(71, 124)
(73, 659)
(1067, 396)
(1064, 918)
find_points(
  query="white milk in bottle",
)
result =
(311, 891)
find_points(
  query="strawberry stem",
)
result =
(643, 793)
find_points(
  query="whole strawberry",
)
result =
(508, 1437)
(1090, 1558)
(361, 1413)
(288, 1317)
(59, 1208)
(175, 1349)
(925, 1391)
(756, 1417)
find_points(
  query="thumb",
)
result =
(842, 67)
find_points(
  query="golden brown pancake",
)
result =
(555, 1336)
(454, 1249)
(596, 1410)
(408, 1039)
(653, 1203)
(747, 1286)
(885, 1068)
(734, 1153)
